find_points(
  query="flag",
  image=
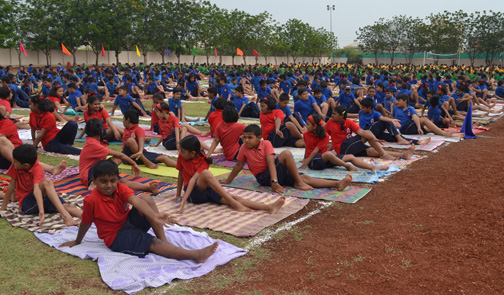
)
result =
(168, 52)
(467, 125)
(256, 54)
(194, 51)
(65, 51)
(138, 51)
(103, 51)
(215, 51)
(239, 52)
(21, 48)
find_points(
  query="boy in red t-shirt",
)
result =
(260, 157)
(5, 107)
(228, 133)
(35, 194)
(274, 129)
(124, 230)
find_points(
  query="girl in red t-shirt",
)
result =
(111, 132)
(317, 157)
(56, 96)
(274, 129)
(201, 186)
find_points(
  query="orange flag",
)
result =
(239, 52)
(65, 51)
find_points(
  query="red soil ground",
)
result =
(434, 228)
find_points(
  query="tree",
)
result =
(71, 25)
(182, 23)
(394, 34)
(412, 41)
(490, 34)
(371, 38)
(443, 35)
(294, 33)
(209, 27)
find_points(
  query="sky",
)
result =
(348, 16)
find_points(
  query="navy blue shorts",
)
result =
(198, 196)
(283, 175)
(133, 238)
(462, 107)
(318, 164)
(30, 205)
(353, 146)
(170, 142)
(411, 128)
(4, 163)
(150, 156)
(156, 128)
(287, 140)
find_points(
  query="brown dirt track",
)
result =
(434, 228)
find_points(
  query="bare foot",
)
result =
(404, 141)
(407, 154)
(76, 118)
(152, 166)
(303, 186)
(381, 168)
(240, 207)
(154, 187)
(456, 134)
(352, 168)
(345, 182)
(69, 221)
(275, 207)
(387, 156)
(58, 169)
(424, 141)
(206, 252)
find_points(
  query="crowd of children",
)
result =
(320, 118)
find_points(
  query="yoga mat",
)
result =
(221, 161)
(164, 170)
(67, 173)
(128, 273)
(160, 149)
(52, 221)
(83, 139)
(400, 164)
(349, 195)
(224, 219)
(73, 185)
(432, 145)
(361, 176)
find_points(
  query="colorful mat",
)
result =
(361, 176)
(52, 221)
(67, 173)
(221, 161)
(400, 164)
(128, 273)
(164, 170)
(432, 145)
(224, 219)
(349, 195)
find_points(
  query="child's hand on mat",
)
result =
(42, 217)
(152, 145)
(277, 188)
(136, 156)
(135, 170)
(420, 131)
(303, 166)
(224, 181)
(181, 210)
(68, 244)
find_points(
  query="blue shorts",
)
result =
(287, 140)
(283, 175)
(198, 196)
(411, 128)
(170, 142)
(318, 164)
(133, 238)
(4, 163)
(353, 146)
(150, 156)
(30, 206)
(462, 107)
(156, 128)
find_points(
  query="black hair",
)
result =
(301, 91)
(323, 83)
(284, 96)
(262, 82)
(4, 92)
(124, 87)
(220, 104)
(317, 90)
(90, 101)
(443, 88)
(25, 154)
(105, 167)
(94, 127)
(164, 107)
(389, 90)
(191, 143)
(253, 128)
(132, 115)
(54, 89)
(45, 105)
(157, 96)
(230, 114)
(270, 103)
(177, 90)
(72, 85)
(434, 101)
(342, 110)
(367, 102)
(239, 89)
(319, 129)
(403, 96)
(212, 90)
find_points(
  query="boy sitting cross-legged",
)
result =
(124, 230)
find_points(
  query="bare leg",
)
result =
(191, 129)
(430, 127)
(166, 160)
(324, 183)
(157, 228)
(47, 188)
(55, 170)
(206, 179)
(137, 186)
(288, 161)
(133, 147)
(293, 130)
(171, 251)
(330, 157)
(361, 164)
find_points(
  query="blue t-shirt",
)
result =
(365, 120)
(404, 116)
(263, 93)
(124, 103)
(45, 90)
(175, 105)
(499, 91)
(287, 110)
(286, 86)
(240, 101)
(72, 98)
(457, 97)
(111, 87)
(225, 92)
(305, 107)
(92, 86)
(346, 99)
(320, 100)
(327, 92)
(434, 113)
(191, 86)
(388, 102)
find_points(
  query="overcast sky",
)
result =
(350, 15)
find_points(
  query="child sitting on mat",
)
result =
(200, 185)
(318, 158)
(169, 127)
(134, 140)
(126, 102)
(228, 133)
(177, 107)
(34, 193)
(275, 172)
(156, 98)
(124, 230)
(94, 151)
(75, 99)
(111, 132)
(274, 129)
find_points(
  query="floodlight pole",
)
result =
(331, 8)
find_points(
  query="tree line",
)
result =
(177, 26)
(479, 34)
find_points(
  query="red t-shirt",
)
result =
(45, 121)
(53, 99)
(256, 157)
(134, 131)
(109, 215)
(167, 127)
(214, 119)
(92, 152)
(229, 134)
(333, 128)
(25, 180)
(268, 121)
(100, 115)
(190, 167)
(6, 104)
(312, 141)
(154, 117)
(9, 129)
